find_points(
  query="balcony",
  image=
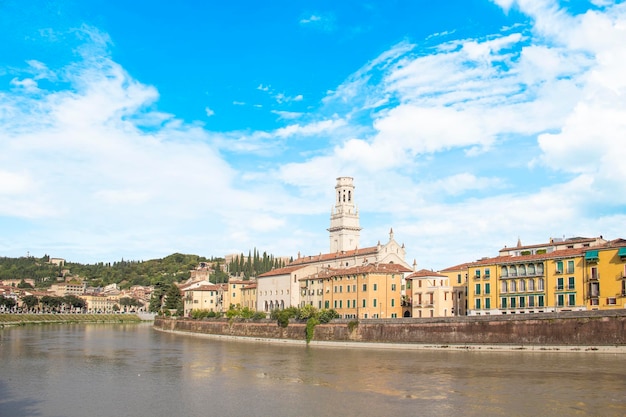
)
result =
(594, 277)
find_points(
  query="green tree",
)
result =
(73, 301)
(174, 299)
(30, 301)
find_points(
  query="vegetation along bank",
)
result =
(582, 329)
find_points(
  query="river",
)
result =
(133, 370)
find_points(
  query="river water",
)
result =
(134, 370)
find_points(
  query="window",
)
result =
(375, 287)
(335, 303)
(393, 287)
(570, 283)
(571, 300)
(513, 302)
(487, 272)
(540, 302)
(347, 288)
(559, 284)
(458, 278)
(477, 301)
(477, 289)
(393, 302)
(340, 303)
(478, 273)
(487, 302)
(522, 301)
(531, 301)
(540, 284)
(611, 301)
(513, 286)
(505, 271)
(559, 267)
(487, 289)
(364, 302)
(570, 267)
(560, 300)
(503, 302)
(531, 285)
(364, 287)
(374, 302)
(505, 286)
(522, 270)
(522, 285)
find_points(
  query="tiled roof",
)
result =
(425, 273)
(281, 271)
(375, 268)
(572, 240)
(564, 253)
(210, 288)
(457, 267)
(324, 257)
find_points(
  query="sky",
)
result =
(133, 130)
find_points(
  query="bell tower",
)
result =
(344, 218)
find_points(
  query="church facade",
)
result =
(289, 286)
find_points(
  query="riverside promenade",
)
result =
(23, 319)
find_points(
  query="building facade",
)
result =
(430, 294)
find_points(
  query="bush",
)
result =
(310, 328)
(327, 315)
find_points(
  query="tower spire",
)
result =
(344, 218)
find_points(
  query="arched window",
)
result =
(505, 272)
(505, 286)
(540, 269)
(513, 286)
(522, 285)
(531, 269)
(522, 270)
(531, 284)
(540, 284)
(349, 195)
(513, 271)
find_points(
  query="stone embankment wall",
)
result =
(591, 328)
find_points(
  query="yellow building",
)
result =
(605, 276)
(206, 297)
(370, 291)
(430, 294)
(248, 295)
(537, 283)
(98, 303)
(234, 296)
(457, 276)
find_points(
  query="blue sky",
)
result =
(137, 129)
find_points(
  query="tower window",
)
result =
(349, 195)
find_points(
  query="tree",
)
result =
(156, 299)
(30, 301)
(24, 284)
(174, 299)
(74, 302)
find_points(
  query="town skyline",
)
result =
(137, 131)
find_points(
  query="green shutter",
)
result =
(591, 255)
(622, 252)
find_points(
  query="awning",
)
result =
(622, 252)
(591, 255)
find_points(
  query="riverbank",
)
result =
(591, 331)
(409, 346)
(23, 319)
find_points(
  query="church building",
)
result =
(288, 287)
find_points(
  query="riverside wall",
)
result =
(590, 328)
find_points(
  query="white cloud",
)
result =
(209, 112)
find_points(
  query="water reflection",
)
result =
(106, 370)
